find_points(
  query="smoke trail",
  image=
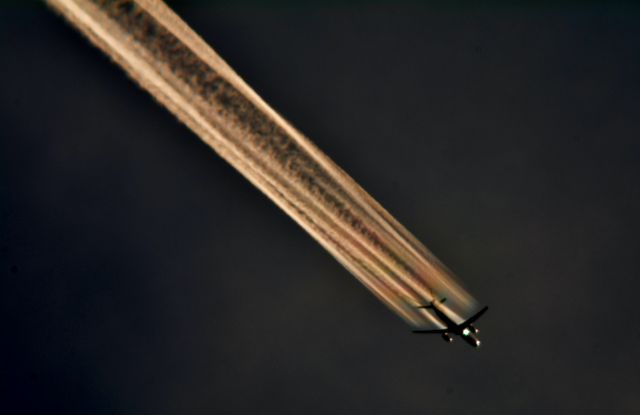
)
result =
(160, 52)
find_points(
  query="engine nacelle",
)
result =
(473, 329)
(471, 339)
(447, 337)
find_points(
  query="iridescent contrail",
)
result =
(160, 52)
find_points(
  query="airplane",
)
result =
(466, 330)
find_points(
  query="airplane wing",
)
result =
(474, 317)
(435, 331)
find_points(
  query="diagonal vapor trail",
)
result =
(168, 59)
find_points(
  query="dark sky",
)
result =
(141, 274)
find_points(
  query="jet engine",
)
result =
(447, 337)
(471, 339)
(473, 329)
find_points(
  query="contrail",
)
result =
(168, 59)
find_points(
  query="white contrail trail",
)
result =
(160, 52)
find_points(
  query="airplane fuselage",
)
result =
(465, 330)
(467, 334)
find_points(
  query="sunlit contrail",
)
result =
(180, 70)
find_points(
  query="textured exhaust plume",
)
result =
(160, 52)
